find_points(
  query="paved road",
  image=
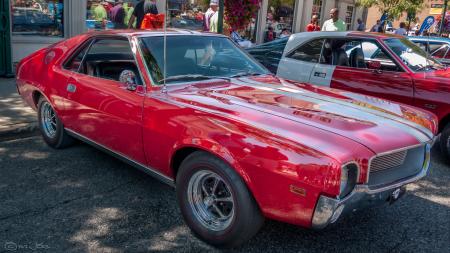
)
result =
(79, 199)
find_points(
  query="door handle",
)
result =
(71, 88)
(320, 74)
(377, 71)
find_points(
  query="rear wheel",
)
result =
(215, 201)
(51, 127)
(445, 142)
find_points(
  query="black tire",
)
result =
(247, 219)
(444, 142)
(60, 139)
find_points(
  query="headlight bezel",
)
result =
(348, 179)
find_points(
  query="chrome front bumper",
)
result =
(328, 210)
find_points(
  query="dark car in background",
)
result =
(30, 19)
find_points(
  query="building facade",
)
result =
(38, 23)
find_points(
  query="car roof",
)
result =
(422, 38)
(298, 38)
(146, 33)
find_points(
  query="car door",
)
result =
(100, 105)
(363, 66)
(299, 63)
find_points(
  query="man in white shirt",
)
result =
(334, 24)
(213, 7)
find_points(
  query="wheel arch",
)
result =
(181, 152)
(444, 122)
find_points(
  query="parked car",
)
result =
(437, 47)
(382, 65)
(238, 143)
(30, 20)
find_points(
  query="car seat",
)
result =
(339, 57)
(357, 58)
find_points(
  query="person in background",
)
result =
(314, 25)
(270, 34)
(360, 26)
(117, 15)
(285, 33)
(401, 31)
(213, 7)
(99, 12)
(334, 24)
(375, 28)
(142, 8)
(129, 8)
(108, 4)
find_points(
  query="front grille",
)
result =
(388, 161)
(388, 168)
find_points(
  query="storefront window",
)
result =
(186, 14)
(349, 17)
(111, 14)
(37, 17)
(280, 16)
(317, 8)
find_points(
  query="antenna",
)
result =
(164, 89)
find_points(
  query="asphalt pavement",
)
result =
(82, 200)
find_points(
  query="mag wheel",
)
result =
(215, 201)
(51, 127)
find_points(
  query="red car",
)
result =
(382, 65)
(238, 143)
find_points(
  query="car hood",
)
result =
(372, 122)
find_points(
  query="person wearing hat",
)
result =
(142, 8)
(213, 7)
(117, 14)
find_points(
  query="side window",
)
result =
(111, 59)
(309, 52)
(74, 62)
(441, 52)
(374, 53)
(436, 46)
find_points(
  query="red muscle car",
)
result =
(238, 143)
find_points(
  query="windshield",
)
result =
(412, 55)
(196, 57)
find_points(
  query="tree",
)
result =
(394, 8)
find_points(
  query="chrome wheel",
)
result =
(211, 200)
(48, 120)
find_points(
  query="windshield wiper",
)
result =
(192, 77)
(241, 74)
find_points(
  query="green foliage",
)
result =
(394, 8)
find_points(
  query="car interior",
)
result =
(107, 61)
(356, 54)
(110, 66)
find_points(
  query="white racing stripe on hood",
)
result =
(421, 133)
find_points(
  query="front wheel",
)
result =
(215, 201)
(51, 127)
(444, 142)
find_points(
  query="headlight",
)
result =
(349, 176)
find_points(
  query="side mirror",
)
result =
(375, 65)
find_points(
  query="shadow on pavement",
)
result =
(80, 199)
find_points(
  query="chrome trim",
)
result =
(148, 170)
(358, 173)
(391, 152)
(326, 206)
